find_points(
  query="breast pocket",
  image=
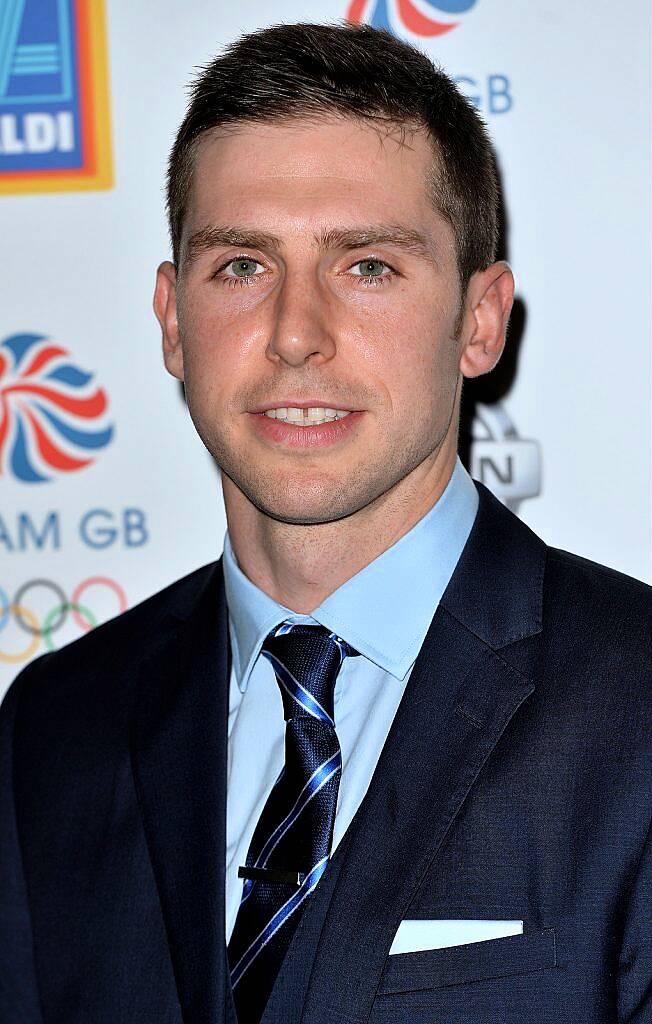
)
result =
(475, 961)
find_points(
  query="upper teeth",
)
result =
(303, 417)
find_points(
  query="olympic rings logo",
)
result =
(19, 611)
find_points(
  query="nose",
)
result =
(300, 328)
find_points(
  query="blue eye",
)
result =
(372, 272)
(244, 271)
(370, 266)
(243, 266)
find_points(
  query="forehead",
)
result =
(309, 169)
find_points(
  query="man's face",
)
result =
(317, 314)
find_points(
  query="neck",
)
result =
(299, 566)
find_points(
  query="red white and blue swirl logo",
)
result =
(52, 415)
(406, 13)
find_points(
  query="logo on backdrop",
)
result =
(509, 466)
(54, 110)
(52, 414)
(41, 607)
(445, 15)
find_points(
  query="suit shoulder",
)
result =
(599, 618)
(106, 651)
(575, 574)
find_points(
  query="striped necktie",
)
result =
(292, 841)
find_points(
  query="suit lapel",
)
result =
(465, 687)
(179, 761)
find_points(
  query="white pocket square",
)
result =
(415, 936)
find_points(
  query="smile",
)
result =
(306, 417)
(307, 429)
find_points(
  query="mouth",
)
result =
(305, 416)
(310, 427)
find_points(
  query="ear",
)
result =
(165, 307)
(489, 299)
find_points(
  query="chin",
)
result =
(302, 506)
(305, 499)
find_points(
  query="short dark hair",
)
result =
(299, 70)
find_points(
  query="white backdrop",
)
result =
(564, 87)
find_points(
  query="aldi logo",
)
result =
(54, 104)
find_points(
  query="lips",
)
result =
(308, 436)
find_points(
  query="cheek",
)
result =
(415, 356)
(216, 354)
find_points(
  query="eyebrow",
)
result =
(214, 237)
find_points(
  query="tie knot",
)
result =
(306, 660)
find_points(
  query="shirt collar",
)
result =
(384, 611)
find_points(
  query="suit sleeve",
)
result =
(635, 965)
(19, 1001)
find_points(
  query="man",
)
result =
(388, 759)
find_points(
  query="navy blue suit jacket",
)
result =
(516, 783)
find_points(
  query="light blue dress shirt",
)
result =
(384, 612)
